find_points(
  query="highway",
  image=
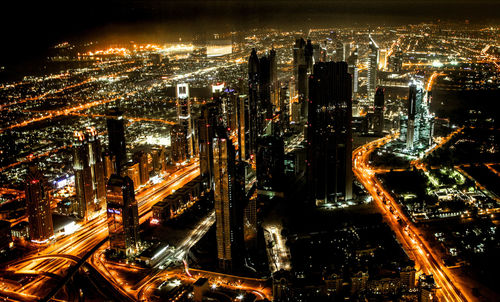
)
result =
(88, 236)
(406, 232)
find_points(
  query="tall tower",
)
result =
(352, 62)
(329, 137)
(270, 164)
(253, 96)
(412, 112)
(184, 116)
(300, 65)
(264, 105)
(273, 62)
(373, 58)
(38, 206)
(141, 158)
(178, 142)
(241, 122)
(379, 111)
(116, 137)
(206, 127)
(228, 197)
(123, 215)
(88, 166)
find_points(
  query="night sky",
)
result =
(29, 27)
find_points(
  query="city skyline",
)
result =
(260, 161)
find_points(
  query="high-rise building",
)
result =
(373, 59)
(378, 116)
(253, 98)
(270, 163)
(241, 122)
(339, 51)
(123, 215)
(426, 288)
(116, 137)
(417, 128)
(158, 155)
(274, 85)
(264, 105)
(206, 127)
(300, 67)
(414, 100)
(184, 117)
(309, 55)
(178, 142)
(396, 61)
(109, 165)
(228, 197)
(132, 170)
(88, 165)
(41, 228)
(347, 51)
(141, 158)
(407, 276)
(352, 62)
(329, 137)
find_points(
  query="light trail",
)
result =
(90, 234)
(408, 235)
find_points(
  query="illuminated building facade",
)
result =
(253, 98)
(178, 142)
(373, 59)
(88, 165)
(417, 128)
(184, 117)
(228, 197)
(141, 158)
(241, 121)
(300, 73)
(329, 137)
(378, 116)
(352, 62)
(109, 165)
(116, 137)
(264, 105)
(41, 228)
(123, 215)
(132, 170)
(206, 127)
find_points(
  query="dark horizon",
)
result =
(31, 29)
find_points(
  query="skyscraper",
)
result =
(116, 137)
(241, 122)
(253, 96)
(270, 163)
(206, 127)
(123, 216)
(329, 138)
(38, 206)
(413, 99)
(184, 117)
(417, 128)
(264, 105)
(141, 158)
(274, 85)
(88, 166)
(300, 74)
(178, 142)
(352, 62)
(373, 58)
(228, 197)
(379, 111)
